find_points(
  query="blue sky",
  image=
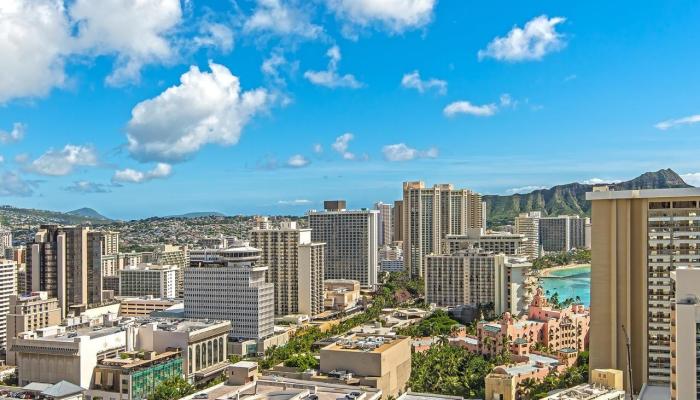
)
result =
(155, 107)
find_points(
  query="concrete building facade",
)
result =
(386, 223)
(685, 334)
(103, 260)
(352, 243)
(528, 224)
(295, 266)
(149, 280)
(8, 288)
(30, 312)
(233, 289)
(430, 214)
(638, 238)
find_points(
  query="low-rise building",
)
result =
(606, 384)
(383, 362)
(144, 306)
(503, 382)
(134, 375)
(30, 312)
(341, 294)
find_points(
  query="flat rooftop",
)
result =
(366, 343)
(586, 391)
(642, 194)
(279, 388)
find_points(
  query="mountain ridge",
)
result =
(570, 198)
(90, 213)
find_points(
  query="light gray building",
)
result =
(351, 238)
(148, 280)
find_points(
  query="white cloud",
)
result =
(34, 41)
(537, 39)
(63, 162)
(297, 161)
(318, 148)
(465, 107)
(525, 189)
(206, 107)
(692, 178)
(671, 123)
(283, 18)
(2, 159)
(87, 187)
(137, 32)
(213, 34)
(395, 16)
(401, 152)
(161, 170)
(15, 135)
(330, 78)
(12, 184)
(297, 202)
(598, 181)
(414, 81)
(342, 144)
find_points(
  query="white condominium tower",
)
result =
(295, 266)
(386, 223)
(430, 214)
(232, 288)
(528, 224)
(351, 238)
(148, 280)
(8, 287)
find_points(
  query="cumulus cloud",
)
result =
(342, 145)
(394, 16)
(465, 107)
(206, 107)
(692, 178)
(525, 189)
(15, 135)
(414, 81)
(281, 18)
(87, 187)
(296, 202)
(216, 35)
(538, 38)
(34, 41)
(128, 175)
(330, 77)
(298, 161)
(12, 184)
(401, 152)
(136, 32)
(63, 162)
(318, 148)
(598, 181)
(672, 123)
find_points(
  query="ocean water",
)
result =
(570, 283)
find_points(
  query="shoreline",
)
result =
(547, 271)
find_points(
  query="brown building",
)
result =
(638, 239)
(382, 362)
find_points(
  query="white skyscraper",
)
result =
(351, 238)
(232, 288)
(8, 287)
(295, 266)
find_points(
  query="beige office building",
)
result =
(685, 334)
(398, 221)
(57, 262)
(638, 238)
(103, 260)
(31, 312)
(383, 362)
(465, 277)
(528, 224)
(510, 244)
(295, 266)
(430, 214)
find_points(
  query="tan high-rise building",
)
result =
(430, 214)
(386, 223)
(528, 224)
(295, 266)
(465, 277)
(685, 335)
(103, 260)
(398, 221)
(28, 313)
(57, 262)
(638, 238)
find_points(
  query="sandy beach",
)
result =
(547, 271)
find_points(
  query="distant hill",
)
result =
(569, 198)
(16, 217)
(88, 213)
(198, 214)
